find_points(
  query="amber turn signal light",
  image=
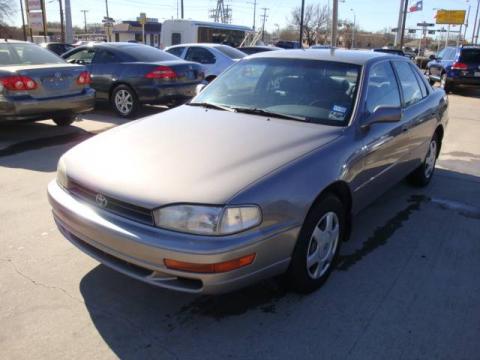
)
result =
(210, 268)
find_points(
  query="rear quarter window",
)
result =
(470, 56)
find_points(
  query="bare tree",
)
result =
(6, 9)
(315, 21)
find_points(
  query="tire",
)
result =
(445, 84)
(422, 175)
(308, 269)
(124, 101)
(64, 119)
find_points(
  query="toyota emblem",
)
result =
(101, 200)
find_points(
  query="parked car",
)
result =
(454, 66)
(129, 75)
(249, 50)
(394, 52)
(215, 58)
(319, 46)
(259, 175)
(288, 44)
(57, 47)
(36, 84)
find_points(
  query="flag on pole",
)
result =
(417, 7)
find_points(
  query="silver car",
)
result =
(215, 58)
(258, 176)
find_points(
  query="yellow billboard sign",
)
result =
(452, 17)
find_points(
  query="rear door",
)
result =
(418, 112)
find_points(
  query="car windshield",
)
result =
(230, 52)
(146, 53)
(470, 55)
(316, 91)
(26, 54)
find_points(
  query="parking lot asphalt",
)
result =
(406, 286)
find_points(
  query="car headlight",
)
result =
(62, 179)
(208, 220)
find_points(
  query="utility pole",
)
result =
(302, 11)
(23, 21)
(62, 25)
(399, 23)
(85, 19)
(264, 18)
(354, 25)
(68, 23)
(334, 23)
(405, 10)
(108, 23)
(181, 8)
(44, 17)
(254, 3)
(475, 25)
(466, 24)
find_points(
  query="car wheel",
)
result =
(445, 84)
(124, 101)
(422, 175)
(318, 244)
(64, 119)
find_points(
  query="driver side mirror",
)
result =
(383, 114)
(199, 88)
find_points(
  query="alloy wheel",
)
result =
(431, 159)
(124, 102)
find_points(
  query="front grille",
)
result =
(129, 211)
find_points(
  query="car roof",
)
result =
(359, 57)
(13, 41)
(199, 44)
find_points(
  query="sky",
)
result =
(371, 15)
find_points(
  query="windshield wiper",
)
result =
(263, 112)
(211, 106)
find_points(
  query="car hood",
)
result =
(190, 154)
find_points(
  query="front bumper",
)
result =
(139, 250)
(39, 109)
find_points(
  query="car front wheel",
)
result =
(318, 245)
(124, 101)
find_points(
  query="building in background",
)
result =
(132, 31)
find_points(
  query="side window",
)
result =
(200, 55)
(410, 87)
(177, 51)
(105, 57)
(423, 85)
(84, 56)
(441, 53)
(382, 87)
(449, 54)
(176, 38)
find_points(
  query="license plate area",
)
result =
(476, 74)
(56, 82)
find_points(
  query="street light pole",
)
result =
(475, 23)
(23, 21)
(108, 22)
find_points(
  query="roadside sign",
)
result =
(35, 20)
(452, 17)
(431, 32)
(142, 19)
(412, 31)
(34, 5)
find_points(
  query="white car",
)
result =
(215, 58)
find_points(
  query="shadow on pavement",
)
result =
(266, 321)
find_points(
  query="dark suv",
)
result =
(455, 66)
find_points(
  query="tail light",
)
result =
(161, 72)
(18, 83)
(84, 78)
(459, 66)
